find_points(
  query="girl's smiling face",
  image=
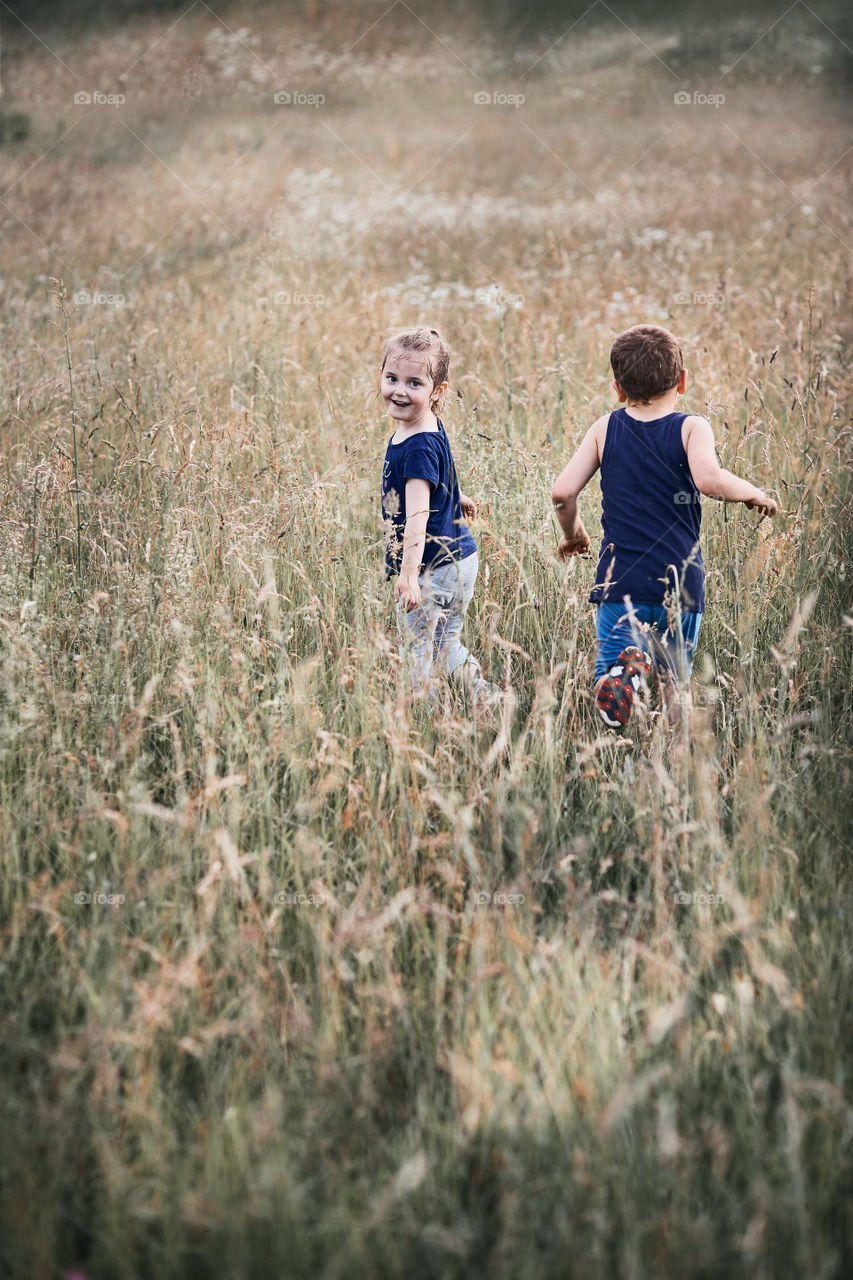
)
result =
(408, 389)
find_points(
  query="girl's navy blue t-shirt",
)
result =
(650, 514)
(424, 456)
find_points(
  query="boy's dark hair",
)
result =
(646, 361)
(426, 342)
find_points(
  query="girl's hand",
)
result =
(762, 502)
(469, 507)
(407, 588)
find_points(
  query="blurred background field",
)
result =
(295, 978)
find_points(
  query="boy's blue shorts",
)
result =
(647, 626)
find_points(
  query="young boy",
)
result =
(650, 584)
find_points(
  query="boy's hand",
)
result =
(576, 545)
(468, 505)
(764, 503)
(407, 588)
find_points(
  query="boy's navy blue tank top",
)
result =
(650, 515)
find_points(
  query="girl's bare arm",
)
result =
(417, 513)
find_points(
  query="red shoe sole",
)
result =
(618, 691)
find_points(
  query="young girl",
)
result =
(429, 548)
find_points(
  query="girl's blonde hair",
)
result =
(426, 342)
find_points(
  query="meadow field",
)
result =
(298, 978)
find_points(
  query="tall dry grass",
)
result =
(286, 1034)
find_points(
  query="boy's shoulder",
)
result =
(598, 431)
(694, 422)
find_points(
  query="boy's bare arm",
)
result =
(570, 482)
(712, 479)
(407, 587)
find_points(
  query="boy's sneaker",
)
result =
(618, 691)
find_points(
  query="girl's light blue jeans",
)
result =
(431, 634)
